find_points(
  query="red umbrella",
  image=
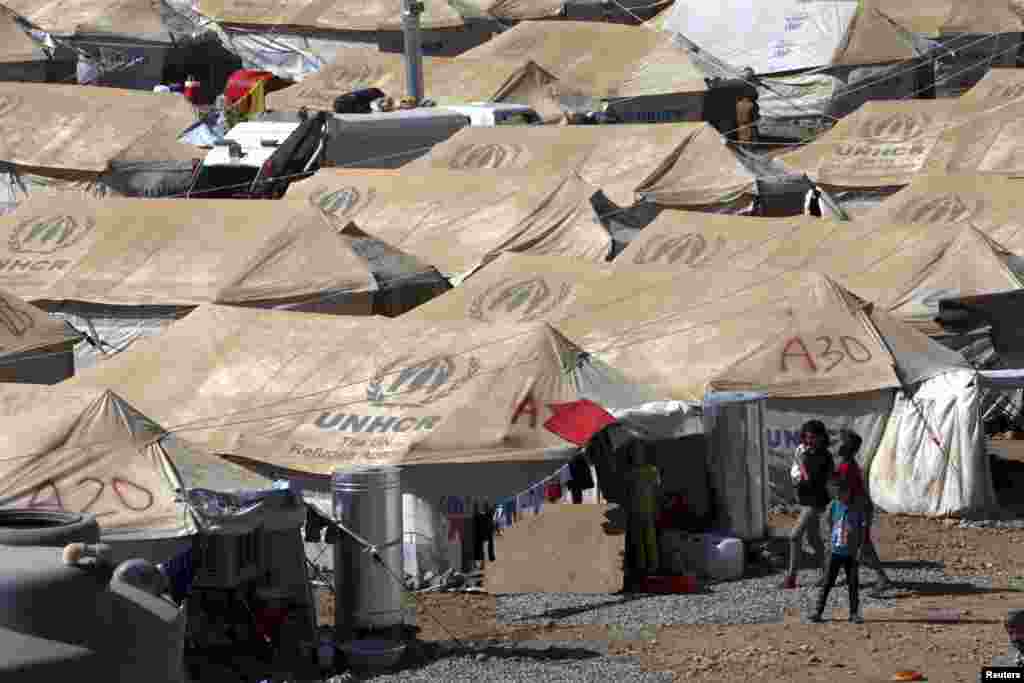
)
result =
(577, 421)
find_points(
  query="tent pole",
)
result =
(411, 10)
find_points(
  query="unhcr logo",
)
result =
(9, 104)
(494, 155)
(343, 202)
(521, 300)
(946, 208)
(421, 383)
(898, 126)
(49, 235)
(691, 249)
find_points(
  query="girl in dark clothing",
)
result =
(813, 463)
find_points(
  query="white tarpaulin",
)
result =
(769, 37)
(791, 35)
(928, 462)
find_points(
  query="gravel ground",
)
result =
(757, 600)
(525, 662)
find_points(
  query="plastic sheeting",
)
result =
(112, 335)
(932, 458)
(789, 35)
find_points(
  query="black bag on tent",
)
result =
(357, 102)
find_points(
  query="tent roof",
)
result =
(904, 269)
(598, 59)
(171, 252)
(937, 17)
(685, 332)
(338, 15)
(25, 328)
(62, 128)
(883, 143)
(89, 449)
(999, 88)
(455, 220)
(16, 45)
(93, 453)
(988, 136)
(280, 387)
(135, 18)
(446, 81)
(661, 159)
(791, 35)
(990, 203)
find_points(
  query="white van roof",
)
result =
(250, 136)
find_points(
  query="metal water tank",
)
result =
(368, 501)
(61, 621)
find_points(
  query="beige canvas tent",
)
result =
(455, 220)
(78, 131)
(446, 81)
(905, 269)
(92, 451)
(604, 60)
(125, 268)
(815, 348)
(20, 58)
(990, 203)
(998, 89)
(986, 141)
(682, 164)
(335, 16)
(139, 18)
(34, 348)
(937, 17)
(882, 144)
(59, 139)
(360, 392)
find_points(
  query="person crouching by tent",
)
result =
(846, 520)
(643, 482)
(812, 468)
(848, 470)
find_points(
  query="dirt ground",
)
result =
(891, 640)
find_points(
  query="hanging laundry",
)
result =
(456, 519)
(484, 535)
(315, 524)
(564, 477)
(553, 490)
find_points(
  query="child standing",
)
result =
(849, 444)
(846, 520)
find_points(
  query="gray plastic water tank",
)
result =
(61, 622)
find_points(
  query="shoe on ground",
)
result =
(789, 583)
(815, 619)
(856, 619)
(880, 587)
(820, 583)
